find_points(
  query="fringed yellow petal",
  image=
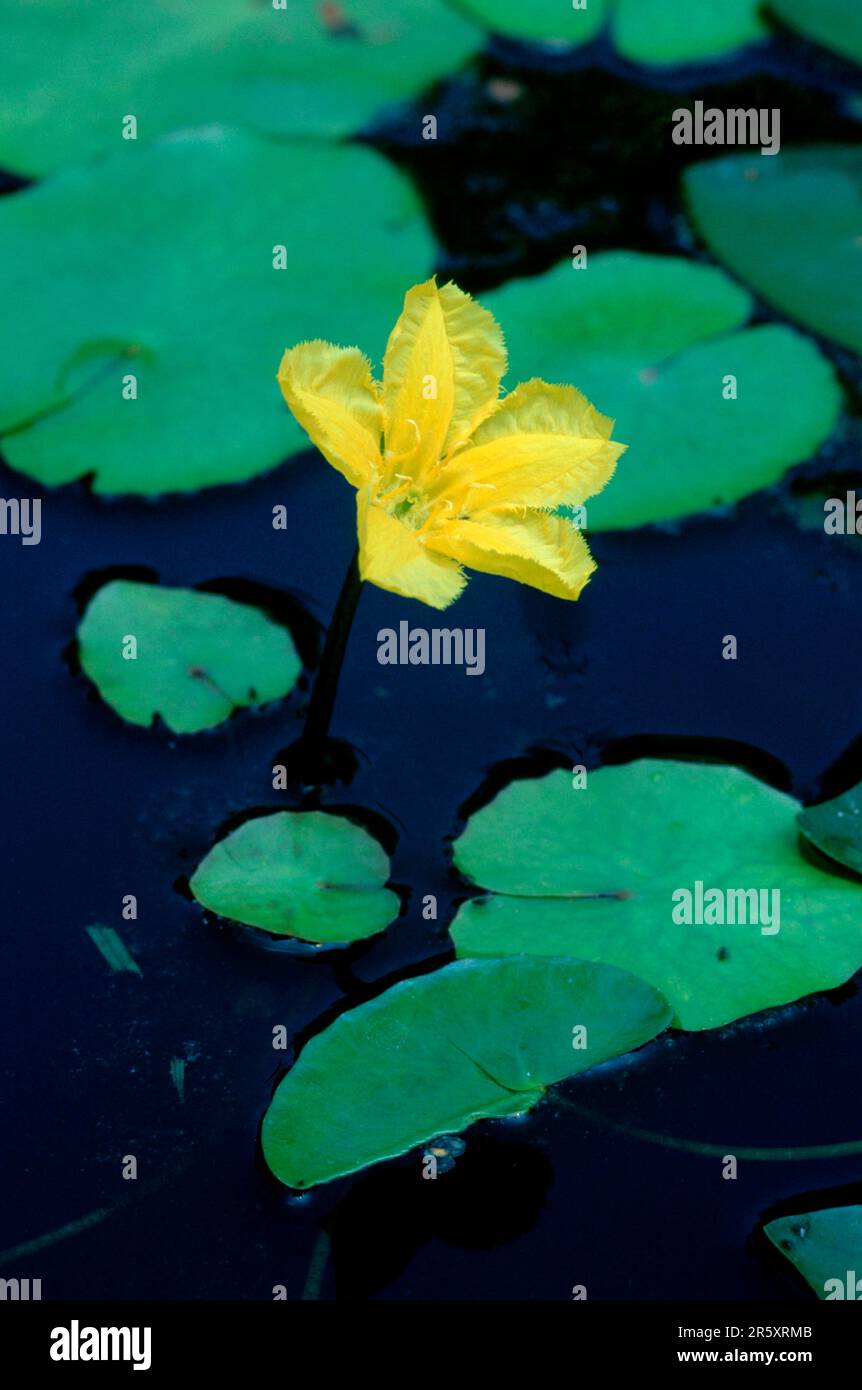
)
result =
(392, 556)
(418, 384)
(545, 446)
(441, 375)
(331, 393)
(479, 355)
(544, 551)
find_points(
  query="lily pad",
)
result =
(192, 658)
(790, 227)
(837, 24)
(161, 267)
(555, 21)
(664, 31)
(654, 32)
(474, 1040)
(71, 70)
(650, 340)
(826, 1248)
(592, 872)
(305, 874)
(835, 827)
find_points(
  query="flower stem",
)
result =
(322, 703)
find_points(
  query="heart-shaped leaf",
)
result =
(790, 227)
(147, 356)
(475, 1039)
(71, 71)
(835, 827)
(837, 24)
(305, 874)
(597, 872)
(660, 344)
(826, 1248)
(192, 658)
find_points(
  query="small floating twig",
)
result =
(113, 949)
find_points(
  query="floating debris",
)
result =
(178, 1076)
(113, 949)
(444, 1150)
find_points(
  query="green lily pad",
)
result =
(790, 227)
(835, 827)
(299, 873)
(71, 70)
(540, 20)
(653, 32)
(665, 31)
(826, 1248)
(593, 872)
(837, 24)
(161, 266)
(474, 1040)
(650, 340)
(191, 657)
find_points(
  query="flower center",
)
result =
(403, 508)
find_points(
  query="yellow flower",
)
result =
(447, 473)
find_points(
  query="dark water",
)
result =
(96, 809)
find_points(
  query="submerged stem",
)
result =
(798, 1154)
(317, 1267)
(322, 703)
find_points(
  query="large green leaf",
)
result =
(835, 23)
(630, 839)
(541, 20)
(666, 31)
(196, 657)
(299, 873)
(650, 339)
(826, 1248)
(71, 70)
(835, 827)
(431, 1055)
(159, 263)
(644, 31)
(789, 226)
